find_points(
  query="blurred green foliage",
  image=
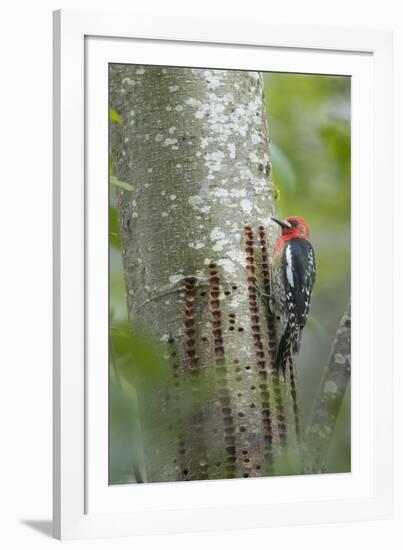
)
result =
(309, 122)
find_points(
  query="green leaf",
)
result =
(125, 457)
(113, 115)
(122, 184)
(114, 235)
(140, 356)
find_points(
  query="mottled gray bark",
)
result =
(196, 237)
(334, 384)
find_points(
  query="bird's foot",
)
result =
(262, 292)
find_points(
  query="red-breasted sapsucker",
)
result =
(292, 278)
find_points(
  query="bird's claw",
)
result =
(261, 291)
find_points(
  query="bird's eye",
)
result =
(294, 223)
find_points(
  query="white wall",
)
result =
(25, 304)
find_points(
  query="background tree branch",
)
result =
(332, 390)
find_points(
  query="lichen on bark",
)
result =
(196, 238)
(334, 384)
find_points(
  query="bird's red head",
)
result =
(293, 228)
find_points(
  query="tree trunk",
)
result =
(196, 239)
(334, 384)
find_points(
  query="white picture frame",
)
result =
(84, 505)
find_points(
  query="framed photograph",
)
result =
(222, 342)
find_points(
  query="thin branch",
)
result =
(333, 387)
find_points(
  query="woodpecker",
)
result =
(292, 277)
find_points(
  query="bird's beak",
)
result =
(283, 223)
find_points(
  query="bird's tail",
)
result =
(288, 345)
